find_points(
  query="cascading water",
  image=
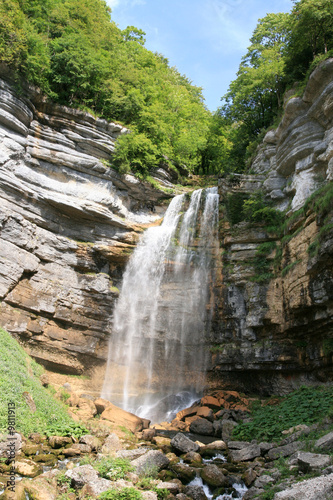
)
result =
(157, 354)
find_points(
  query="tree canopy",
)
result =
(76, 54)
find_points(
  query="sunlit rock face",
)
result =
(271, 335)
(68, 224)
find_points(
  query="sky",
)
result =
(204, 39)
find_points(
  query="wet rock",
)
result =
(72, 452)
(187, 412)
(162, 442)
(202, 426)
(213, 476)
(215, 445)
(195, 492)
(183, 444)
(325, 442)
(192, 458)
(184, 472)
(81, 475)
(47, 458)
(150, 462)
(43, 487)
(59, 441)
(249, 477)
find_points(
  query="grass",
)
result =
(20, 374)
(307, 405)
(109, 467)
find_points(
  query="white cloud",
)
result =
(113, 3)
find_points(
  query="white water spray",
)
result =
(157, 348)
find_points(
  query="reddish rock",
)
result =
(188, 412)
(121, 417)
(211, 402)
(206, 412)
(101, 404)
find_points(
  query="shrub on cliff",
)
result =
(36, 410)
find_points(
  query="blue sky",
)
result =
(204, 39)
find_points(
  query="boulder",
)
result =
(310, 462)
(42, 487)
(248, 453)
(184, 472)
(111, 444)
(132, 454)
(59, 441)
(183, 444)
(171, 487)
(318, 488)
(193, 458)
(202, 426)
(87, 409)
(211, 402)
(285, 451)
(249, 476)
(120, 417)
(206, 412)
(148, 434)
(213, 476)
(86, 477)
(195, 492)
(187, 412)
(227, 427)
(101, 404)
(325, 442)
(91, 441)
(27, 468)
(150, 462)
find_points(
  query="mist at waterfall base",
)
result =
(158, 348)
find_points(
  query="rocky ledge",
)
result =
(68, 223)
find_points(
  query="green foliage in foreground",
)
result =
(19, 374)
(110, 467)
(124, 494)
(306, 406)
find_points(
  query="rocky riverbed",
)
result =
(192, 457)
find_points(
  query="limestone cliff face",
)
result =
(68, 223)
(270, 335)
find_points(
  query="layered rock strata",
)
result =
(68, 223)
(273, 332)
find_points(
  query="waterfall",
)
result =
(157, 352)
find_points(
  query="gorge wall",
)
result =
(68, 223)
(274, 325)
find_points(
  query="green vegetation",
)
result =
(75, 53)
(66, 429)
(110, 467)
(123, 494)
(284, 48)
(19, 379)
(307, 405)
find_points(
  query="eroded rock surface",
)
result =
(68, 224)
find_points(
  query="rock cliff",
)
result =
(274, 324)
(68, 223)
